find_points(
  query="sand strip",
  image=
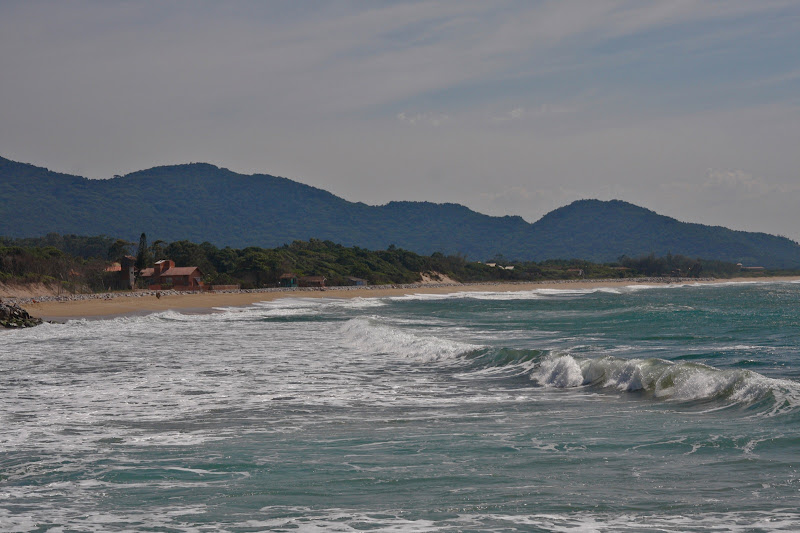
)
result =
(118, 304)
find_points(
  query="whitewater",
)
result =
(642, 408)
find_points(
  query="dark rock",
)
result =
(13, 316)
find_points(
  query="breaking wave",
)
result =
(681, 381)
(548, 293)
(666, 380)
(307, 520)
(368, 334)
(534, 294)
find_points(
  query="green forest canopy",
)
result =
(81, 261)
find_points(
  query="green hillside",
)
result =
(201, 202)
(603, 231)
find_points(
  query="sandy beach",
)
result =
(116, 304)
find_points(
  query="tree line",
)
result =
(79, 263)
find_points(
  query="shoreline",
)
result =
(110, 305)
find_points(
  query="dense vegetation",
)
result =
(51, 266)
(201, 202)
(83, 269)
(84, 247)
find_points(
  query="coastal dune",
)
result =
(140, 303)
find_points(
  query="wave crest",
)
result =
(666, 380)
(375, 337)
(681, 381)
(561, 372)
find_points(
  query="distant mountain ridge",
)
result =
(201, 202)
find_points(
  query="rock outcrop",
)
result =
(13, 316)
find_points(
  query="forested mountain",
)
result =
(603, 231)
(201, 202)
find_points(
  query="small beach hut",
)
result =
(287, 280)
(312, 281)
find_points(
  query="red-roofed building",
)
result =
(165, 275)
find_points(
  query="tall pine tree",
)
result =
(143, 256)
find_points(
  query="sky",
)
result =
(688, 108)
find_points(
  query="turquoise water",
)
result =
(669, 408)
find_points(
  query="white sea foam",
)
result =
(370, 335)
(534, 294)
(730, 283)
(560, 371)
(289, 307)
(316, 303)
(550, 292)
(644, 287)
(314, 520)
(733, 522)
(475, 295)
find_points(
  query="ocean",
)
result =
(641, 408)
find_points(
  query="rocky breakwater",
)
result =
(13, 316)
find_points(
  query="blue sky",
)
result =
(688, 108)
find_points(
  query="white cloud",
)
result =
(736, 179)
(514, 193)
(522, 113)
(431, 119)
(742, 183)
